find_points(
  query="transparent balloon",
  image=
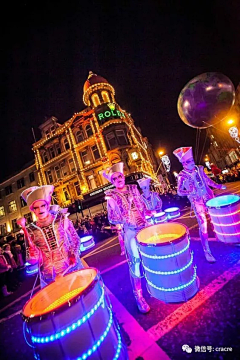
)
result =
(206, 100)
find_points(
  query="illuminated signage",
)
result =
(108, 112)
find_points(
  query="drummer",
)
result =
(195, 184)
(52, 240)
(151, 199)
(126, 207)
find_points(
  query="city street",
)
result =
(208, 323)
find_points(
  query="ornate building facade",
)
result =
(73, 155)
(12, 206)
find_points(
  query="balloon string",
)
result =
(203, 147)
(197, 144)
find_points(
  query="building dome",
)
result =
(92, 80)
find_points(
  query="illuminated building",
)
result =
(12, 206)
(72, 155)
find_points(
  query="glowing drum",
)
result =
(168, 262)
(87, 242)
(71, 319)
(149, 219)
(172, 212)
(225, 216)
(160, 217)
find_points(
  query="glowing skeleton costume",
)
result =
(128, 209)
(53, 243)
(195, 184)
(151, 199)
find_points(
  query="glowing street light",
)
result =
(230, 122)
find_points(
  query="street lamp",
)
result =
(230, 121)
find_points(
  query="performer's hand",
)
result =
(21, 222)
(223, 187)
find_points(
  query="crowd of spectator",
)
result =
(12, 263)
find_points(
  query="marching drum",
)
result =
(72, 319)
(224, 212)
(87, 242)
(160, 217)
(172, 212)
(31, 269)
(168, 262)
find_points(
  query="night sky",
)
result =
(148, 51)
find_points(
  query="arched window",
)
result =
(45, 157)
(88, 130)
(79, 136)
(105, 96)
(95, 100)
(66, 144)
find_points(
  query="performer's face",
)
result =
(146, 190)
(118, 180)
(41, 209)
(189, 164)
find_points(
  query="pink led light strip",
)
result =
(232, 224)
(223, 215)
(219, 233)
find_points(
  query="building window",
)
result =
(57, 172)
(22, 202)
(95, 151)
(8, 189)
(15, 226)
(2, 211)
(85, 157)
(28, 218)
(52, 152)
(104, 180)
(95, 100)
(49, 176)
(66, 194)
(66, 144)
(105, 96)
(91, 182)
(20, 183)
(12, 206)
(77, 188)
(47, 133)
(58, 148)
(31, 177)
(88, 130)
(45, 157)
(64, 168)
(71, 165)
(121, 137)
(111, 140)
(3, 229)
(79, 136)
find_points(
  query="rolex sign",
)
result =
(108, 112)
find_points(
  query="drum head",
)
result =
(161, 234)
(222, 201)
(59, 292)
(160, 214)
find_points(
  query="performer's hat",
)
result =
(27, 191)
(144, 182)
(40, 193)
(108, 173)
(183, 153)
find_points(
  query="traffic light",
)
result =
(78, 206)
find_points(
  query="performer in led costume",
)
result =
(52, 240)
(126, 207)
(151, 199)
(195, 184)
